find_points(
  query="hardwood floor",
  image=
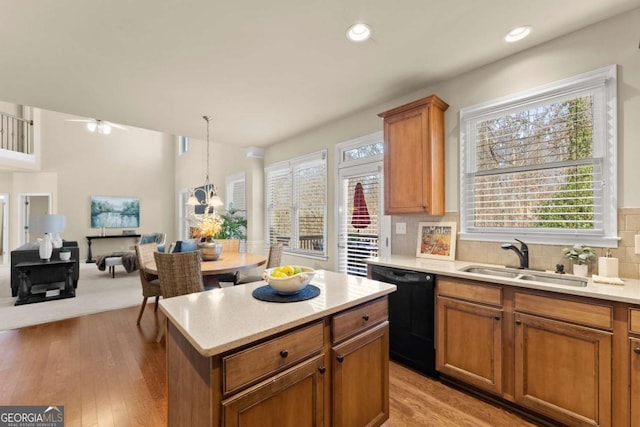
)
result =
(106, 371)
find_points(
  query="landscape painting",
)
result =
(115, 212)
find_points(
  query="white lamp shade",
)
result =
(47, 223)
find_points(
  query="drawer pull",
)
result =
(322, 369)
(340, 358)
(636, 350)
(518, 322)
(365, 317)
(497, 317)
(284, 353)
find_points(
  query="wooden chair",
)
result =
(273, 260)
(150, 283)
(228, 245)
(179, 274)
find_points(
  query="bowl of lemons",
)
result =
(288, 279)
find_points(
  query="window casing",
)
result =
(296, 208)
(541, 165)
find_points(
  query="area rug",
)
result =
(96, 292)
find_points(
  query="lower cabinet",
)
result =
(470, 343)
(563, 370)
(292, 399)
(634, 358)
(361, 379)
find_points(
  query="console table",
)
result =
(108, 236)
(37, 292)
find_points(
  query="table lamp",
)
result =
(49, 225)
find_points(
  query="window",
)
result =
(296, 194)
(541, 165)
(236, 200)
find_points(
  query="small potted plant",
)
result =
(581, 257)
(65, 254)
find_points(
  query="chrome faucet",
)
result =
(523, 252)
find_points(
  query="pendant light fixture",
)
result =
(211, 198)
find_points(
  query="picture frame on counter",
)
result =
(437, 240)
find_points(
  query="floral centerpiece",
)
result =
(210, 225)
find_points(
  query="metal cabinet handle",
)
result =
(284, 353)
(365, 317)
(340, 358)
(497, 317)
(518, 322)
(321, 369)
(636, 350)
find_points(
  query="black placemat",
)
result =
(267, 293)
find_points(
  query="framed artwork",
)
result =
(437, 240)
(115, 212)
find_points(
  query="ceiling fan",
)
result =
(101, 127)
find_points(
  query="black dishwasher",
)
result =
(411, 317)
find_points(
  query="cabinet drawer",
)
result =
(599, 316)
(470, 291)
(260, 361)
(350, 322)
(634, 320)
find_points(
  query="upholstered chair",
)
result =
(150, 283)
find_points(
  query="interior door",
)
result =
(363, 233)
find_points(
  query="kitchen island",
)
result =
(233, 359)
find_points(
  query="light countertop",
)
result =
(222, 319)
(629, 292)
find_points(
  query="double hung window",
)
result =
(541, 165)
(296, 204)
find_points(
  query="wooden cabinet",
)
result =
(333, 371)
(360, 366)
(562, 362)
(469, 338)
(414, 157)
(293, 398)
(634, 378)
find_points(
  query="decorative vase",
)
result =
(210, 250)
(65, 256)
(46, 248)
(581, 270)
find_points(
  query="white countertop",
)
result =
(629, 292)
(222, 319)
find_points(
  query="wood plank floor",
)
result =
(106, 371)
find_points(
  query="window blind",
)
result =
(296, 204)
(540, 162)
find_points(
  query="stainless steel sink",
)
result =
(527, 275)
(493, 271)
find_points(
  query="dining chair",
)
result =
(150, 283)
(228, 246)
(273, 260)
(179, 274)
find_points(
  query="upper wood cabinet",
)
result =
(414, 157)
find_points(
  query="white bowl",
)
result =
(289, 285)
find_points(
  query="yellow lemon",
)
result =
(278, 274)
(288, 270)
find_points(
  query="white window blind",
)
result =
(296, 204)
(541, 165)
(236, 193)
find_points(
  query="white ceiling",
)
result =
(265, 70)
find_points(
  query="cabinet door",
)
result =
(563, 370)
(470, 343)
(405, 155)
(293, 398)
(634, 349)
(361, 379)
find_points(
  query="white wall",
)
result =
(136, 162)
(614, 41)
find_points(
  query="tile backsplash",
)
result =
(540, 256)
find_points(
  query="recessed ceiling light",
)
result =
(518, 33)
(359, 32)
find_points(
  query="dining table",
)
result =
(228, 262)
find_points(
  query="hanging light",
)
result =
(99, 126)
(210, 199)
